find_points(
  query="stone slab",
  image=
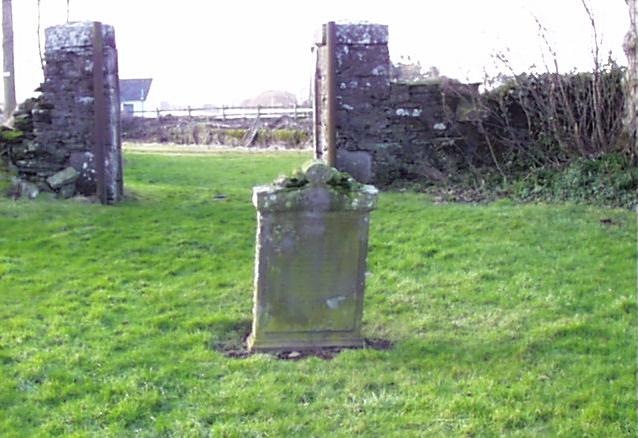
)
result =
(310, 262)
(356, 163)
(66, 176)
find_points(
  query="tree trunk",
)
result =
(7, 59)
(630, 47)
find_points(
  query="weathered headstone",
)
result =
(312, 243)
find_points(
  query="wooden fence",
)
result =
(228, 112)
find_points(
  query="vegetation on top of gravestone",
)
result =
(341, 181)
(296, 180)
(344, 182)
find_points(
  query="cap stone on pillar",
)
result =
(76, 34)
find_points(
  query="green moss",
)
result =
(341, 181)
(11, 135)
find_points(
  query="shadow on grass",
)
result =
(231, 340)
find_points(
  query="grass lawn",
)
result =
(515, 320)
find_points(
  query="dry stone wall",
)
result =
(59, 153)
(389, 130)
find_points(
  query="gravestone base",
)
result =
(274, 342)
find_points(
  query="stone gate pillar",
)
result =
(361, 84)
(78, 119)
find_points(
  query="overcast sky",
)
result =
(200, 51)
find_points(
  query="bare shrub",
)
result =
(533, 120)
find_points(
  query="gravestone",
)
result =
(312, 243)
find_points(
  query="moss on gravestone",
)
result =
(341, 181)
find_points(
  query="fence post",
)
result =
(158, 112)
(295, 108)
(189, 111)
(223, 112)
(331, 87)
(258, 111)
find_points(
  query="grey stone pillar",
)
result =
(68, 125)
(362, 85)
(312, 243)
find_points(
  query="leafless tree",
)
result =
(8, 67)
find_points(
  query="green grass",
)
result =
(515, 320)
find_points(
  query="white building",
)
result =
(133, 94)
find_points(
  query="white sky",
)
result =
(226, 51)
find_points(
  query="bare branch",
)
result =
(39, 30)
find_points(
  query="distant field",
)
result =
(507, 320)
(175, 149)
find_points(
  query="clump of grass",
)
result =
(609, 180)
(236, 134)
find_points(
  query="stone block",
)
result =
(431, 88)
(63, 177)
(361, 33)
(310, 264)
(84, 164)
(66, 191)
(363, 61)
(26, 189)
(356, 163)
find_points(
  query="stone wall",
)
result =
(60, 154)
(282, 132)
(390, 130)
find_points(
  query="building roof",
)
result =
(134, 89)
